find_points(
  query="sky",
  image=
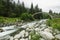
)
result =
(46, 5)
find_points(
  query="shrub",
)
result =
(26, 16)
(34, 36)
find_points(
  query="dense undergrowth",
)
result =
(55, 23)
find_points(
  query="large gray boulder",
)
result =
(46, 35)
(57, 36)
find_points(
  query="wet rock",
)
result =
(42, 39)
(21, 34)
(48, 30)
(1, 30)
(46, 35)
(26, 34)
(43, 25)
(57, 31)
(16, 39)
(57, 36)
(11, 38)
(29, 29)
(17, 36)
(37, 29)
(24, 39)
(42, 29)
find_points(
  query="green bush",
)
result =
(26, 16)
(34, 36)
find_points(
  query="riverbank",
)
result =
(54, 23)
(4, 21)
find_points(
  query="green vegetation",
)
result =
(8, 20)
(11, 12)
(8, 8)
(35, 36)
(55, 23)
(26, 17)
(46, 16)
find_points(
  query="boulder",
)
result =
(1, 30)
(24, 39)
(57, 36)
(37, 29)
(48, 30)
(46, 35)
(57, 31)
(42, 39)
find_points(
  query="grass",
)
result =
(8, 20)
(55, 23)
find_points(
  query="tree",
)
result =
(1, 7)
(36, 8)
(40, 10)
(23, 7)
(50, 11)
(31, 9)
(18, 2)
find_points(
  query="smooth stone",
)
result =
(26, 34)
(46, 35)
(48, 30)
(16, 39)
(57, 31)
(24, 39)
(37, 29)
(57, 36)
(42, 39)
(11, 38)
(21, 34)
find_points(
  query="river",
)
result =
(39, 26)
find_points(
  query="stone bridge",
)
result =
(41, 14)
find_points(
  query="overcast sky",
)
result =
(46, 5)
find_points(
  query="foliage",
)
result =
(8, 8)
(8, 20)
(26, 16)
(55, 23)
(34, 36)
(46, 16)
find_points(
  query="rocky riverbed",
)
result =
(39, 27)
